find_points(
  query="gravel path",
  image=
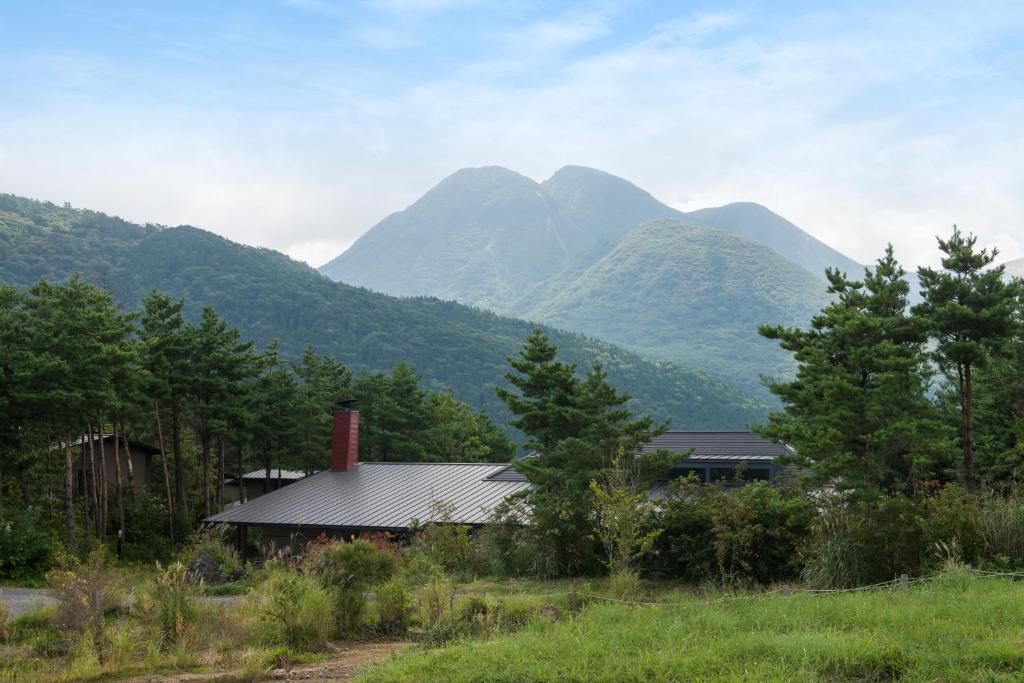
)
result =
(21, 600)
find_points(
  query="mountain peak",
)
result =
(1016, 268)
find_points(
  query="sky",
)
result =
(299, 124)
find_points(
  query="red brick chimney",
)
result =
(345, 444)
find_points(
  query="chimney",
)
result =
(345, 444)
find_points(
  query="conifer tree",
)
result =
(971, 310)
(857, 412)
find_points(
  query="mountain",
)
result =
(1016, 268)
(675, 289)
(757, 223)
(493, 238)
(481, 236)
(268, 296)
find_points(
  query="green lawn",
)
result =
(957, 628)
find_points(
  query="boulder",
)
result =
(204, 568)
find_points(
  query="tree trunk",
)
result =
(167, 478)
(103, 484)
(128, 459)
(69, 487)
(206, 473)
(220, 473)
(92, 483)
(967, 422)
(266, 478)
(241, 473)
(119, 483)
(179, 466)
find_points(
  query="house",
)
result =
(353, 497)
(136, 463)
(257, 482)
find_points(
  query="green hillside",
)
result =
(678, 290)
(493, 238)
(481, 236)
(270, 296)
(759, 224)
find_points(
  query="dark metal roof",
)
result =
(107, 436)
(719, 445)
(275, 473)
(384, 496)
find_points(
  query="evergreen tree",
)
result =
(858, 412)
(971, 310)
(166, 356)
(453, 433)
(275, 430)
(217, 366)
(582, 427)
(323, 383)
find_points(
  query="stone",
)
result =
(204, 568)
(551, 612)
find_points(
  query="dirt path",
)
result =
(345, 661)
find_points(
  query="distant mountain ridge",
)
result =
(493, 238)
(1016, 268)
(269, 296)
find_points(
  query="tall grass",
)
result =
(959, 628)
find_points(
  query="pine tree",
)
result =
(858, 412)
(581, 428)
(323, 383)
(971, 310)
(166, 356)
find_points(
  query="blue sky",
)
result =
(299, 124)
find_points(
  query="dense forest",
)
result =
(73, 365)
(270, 297)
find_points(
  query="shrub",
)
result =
(1001, 521)
(863, 542)
(27, 544)
(5, 614)
(393, 607)
(951, 524)
(215, 542)
(169, 602)
(146, 529)
(347, 570)
(291, 609)
(85, 592)
(758, 529)
(506, 546)
(750, 534)
(625, 584)
(448, 545)
(436, 601)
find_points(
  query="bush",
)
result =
(146, 537)
(169, 602)
(951, 524)
(291, 609)
(85, 592)
(393, 606)
(448, 545)
(625, 584)
(750, 534)
(758, 529)
(1001, 522)
(5, 614)
(507, 547)
(863, 542)
(348, 570)
(215, 542)
(27, 544)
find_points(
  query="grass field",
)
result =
(957, 628)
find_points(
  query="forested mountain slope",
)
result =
(674, 289)
(493, 238)
(270, 296)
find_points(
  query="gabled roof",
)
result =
(83, 439)
(275, 473)
(376, 495)
(719, 445)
